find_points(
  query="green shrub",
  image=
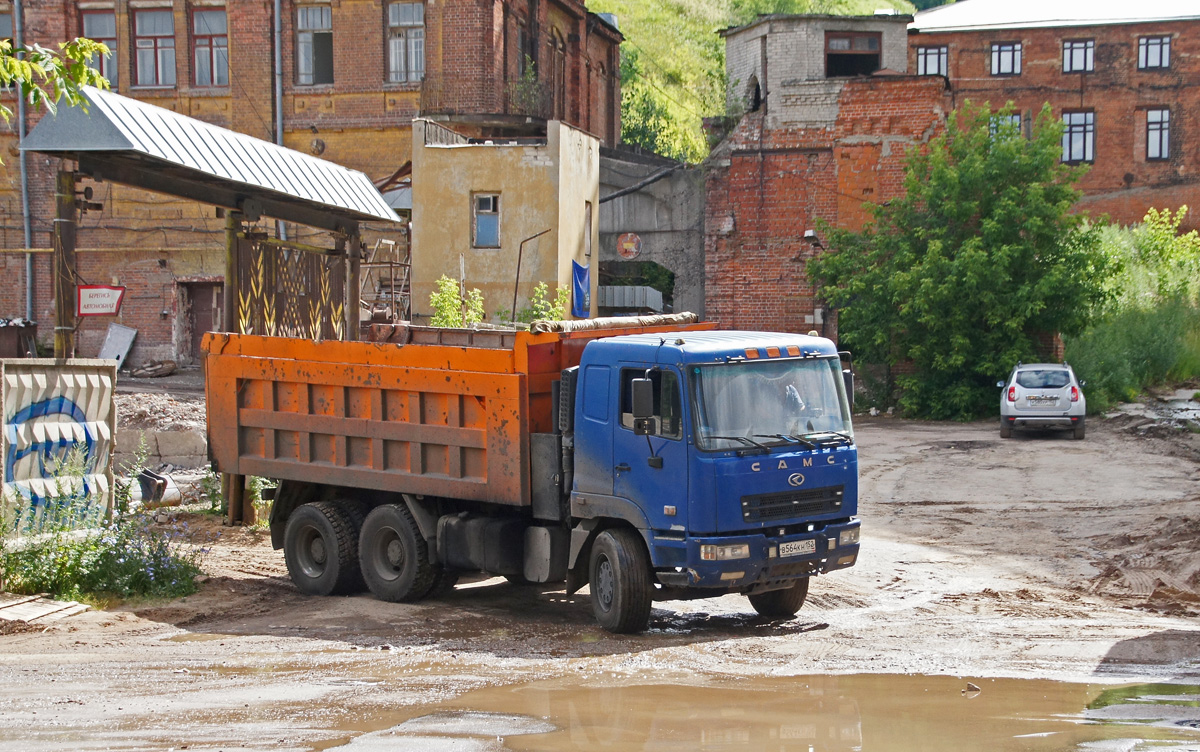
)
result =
(542, 309)
(71, 547)
(452, 308)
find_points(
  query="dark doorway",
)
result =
(203, 304)
(851, 54)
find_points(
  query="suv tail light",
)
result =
(1012, 394)
(1074, 394)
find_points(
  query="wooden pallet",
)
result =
(39, 608)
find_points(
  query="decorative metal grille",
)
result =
(290, 292)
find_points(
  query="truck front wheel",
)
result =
(394, 557)
(320, 547)
(619, 577)
(781, 604)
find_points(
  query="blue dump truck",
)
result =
(649, 460)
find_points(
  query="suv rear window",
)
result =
(1048, 379)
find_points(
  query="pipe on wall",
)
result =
(26, 211)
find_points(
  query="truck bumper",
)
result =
(772, 562)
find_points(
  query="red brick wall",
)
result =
(766, 187)
(1121, 181)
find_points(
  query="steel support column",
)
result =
(65, 274)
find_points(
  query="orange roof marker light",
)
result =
(772, 352)
(793, 351)
(752, 353)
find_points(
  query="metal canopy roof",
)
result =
(969, 15)
(132, 142)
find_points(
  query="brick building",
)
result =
(830, 113)
(351, 75)
(1124, 77)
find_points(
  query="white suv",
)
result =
(1042, 395)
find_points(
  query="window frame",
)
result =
(941, 53)
(1016, 49)
(996, 120)
(1070, 46)
(1088, 130)
(156, 45)
(409, 34)
(301, 32)
(475, 214)
(1163, 42)
(106, 64)
(1160, 131)
(194, 40)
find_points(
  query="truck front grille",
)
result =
(791, 504)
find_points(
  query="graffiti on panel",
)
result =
(57, 441)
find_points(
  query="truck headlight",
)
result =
(724, 553)
(848, 537)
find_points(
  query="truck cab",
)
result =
(732, 456)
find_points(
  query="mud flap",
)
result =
(581, 554)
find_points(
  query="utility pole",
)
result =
(64, 265)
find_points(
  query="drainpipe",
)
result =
(26, 216)
(281, 228)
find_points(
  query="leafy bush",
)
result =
(452, 308)
(957, 278)
(1150, 333)
(70, 547)
(541, 309)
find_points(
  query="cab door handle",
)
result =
(622, 468)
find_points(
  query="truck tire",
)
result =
(619, 577)
(781, 604)
(443, 584)
(321, 549)
(1079, 429)
(394, 557)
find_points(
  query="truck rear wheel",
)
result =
(394, 557)
(321, 549)
(620, 581)
(781, 604)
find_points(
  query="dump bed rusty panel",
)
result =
(435, 420)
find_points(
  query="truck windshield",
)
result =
(769, 402)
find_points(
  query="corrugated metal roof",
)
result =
(968, 15)
(121, 126)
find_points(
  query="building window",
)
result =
(486, 224)
(1004, 124)
(154, 40)
(851, 54)
(101, 26)
(210, 47)
(933, 61)
(406, 42)
(314, 45)
(1079, 137)
(1158, 134)
(1079, 56)
(1006, 59)
(1154, 52)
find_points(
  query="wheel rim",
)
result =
(387, 554)
(312, 552)
(605, 583)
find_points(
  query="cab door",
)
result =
(652, 471)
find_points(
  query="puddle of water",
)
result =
(806, 714)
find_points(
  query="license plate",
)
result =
(1043, 401)
(796, 548)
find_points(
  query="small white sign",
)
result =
(99, 300)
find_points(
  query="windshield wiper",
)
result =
(843, 436)
(787, 437)
(742, 439)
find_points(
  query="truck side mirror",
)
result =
(643, 397)
(848, 381)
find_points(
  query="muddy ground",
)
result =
(1038, 557)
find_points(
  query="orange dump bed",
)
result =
(447, 420)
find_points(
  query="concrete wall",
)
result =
(667, 215)
(542, 186)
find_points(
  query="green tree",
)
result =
(958, 277)
(45, 77)
(453, 305)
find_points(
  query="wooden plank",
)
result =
(34, 609)
(73, 610)
(8, 599)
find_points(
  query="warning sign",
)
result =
(99, 300)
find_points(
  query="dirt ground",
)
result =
(1038, 557)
